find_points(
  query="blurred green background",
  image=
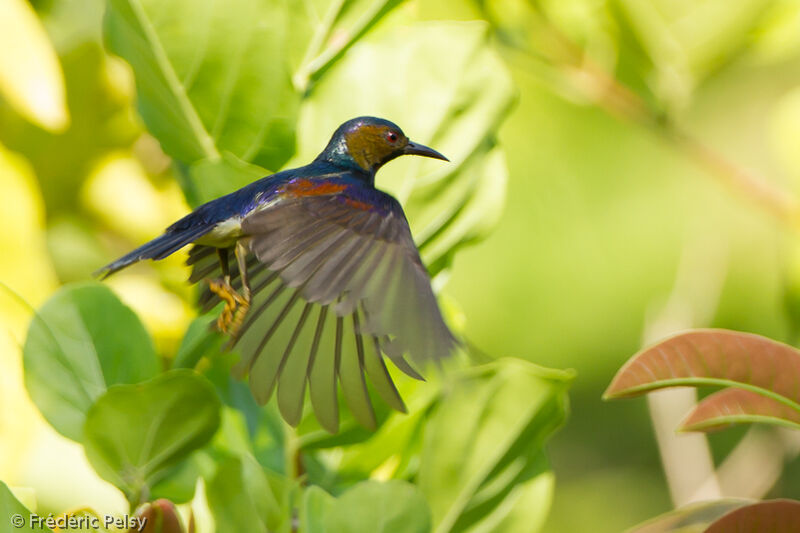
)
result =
(646, 135)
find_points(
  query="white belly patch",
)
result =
(224, 234)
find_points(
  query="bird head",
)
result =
(367, 143)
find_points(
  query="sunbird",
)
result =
(322, 236)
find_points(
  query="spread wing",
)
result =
(337, 281)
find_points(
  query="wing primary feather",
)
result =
(397, 359)
(361, 279)
(283, 244)
(254, 314)
(354, 385)
(298, 270)
(292, 373)
(322, 372)
(323, 311)
(269, 279)
(295, 334)
(372, 363)
(199, 252)
(275, 325)
(337, 352)
(333, 274)
(297, 249)
(359, 339)
(200, 273)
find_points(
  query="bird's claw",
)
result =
(236, 307)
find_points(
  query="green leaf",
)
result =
(210, 76)
(482, 464)
(315, 508)
(771, 515)
(453, 102)
(178, 483)
(198, 341)
(133, 433)
(738, 406)
(374, 507)
(713, 357)
(692, 518)
(209, 179)
(13, 512)
(82, 341)
(243, 497)
(396, 442)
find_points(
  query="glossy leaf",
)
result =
(134, 432)
(453, 102)
(713, 357)
(375, 507)
(775, 516)
(15, 516)
(482, 463)
(82, 341)
(738, 406)
(211, 77)
(242, 497)
(692, 518)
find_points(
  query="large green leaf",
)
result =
(482, 466)
(243, 497)
(211, 76)
(314, 509)
(17, 515)
(82, 341)
(219, 84)
(453, 102)
(375, 507)
(368, 507)
(211, 178)
(134, 433)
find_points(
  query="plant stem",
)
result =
(301, 77)
(293, 458)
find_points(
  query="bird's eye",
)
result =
(391, 137)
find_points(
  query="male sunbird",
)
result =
(324, 235)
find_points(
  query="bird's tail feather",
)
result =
(158, 248)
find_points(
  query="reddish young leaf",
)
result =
(738, 406)
(713, 357)
(772, 516)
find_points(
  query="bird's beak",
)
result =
(421, 149)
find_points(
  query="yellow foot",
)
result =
(236, 307)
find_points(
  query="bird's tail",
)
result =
(158, 248)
